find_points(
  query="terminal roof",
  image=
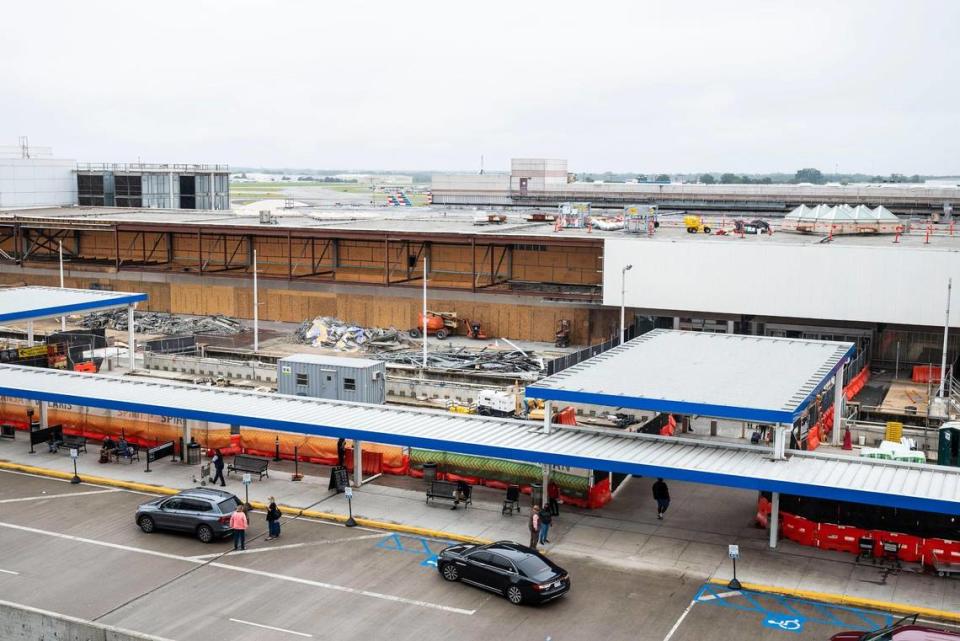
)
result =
(908, 485)
(747, 378)
(32, 303)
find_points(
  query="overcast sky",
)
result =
(633, 86)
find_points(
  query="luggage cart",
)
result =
(944, 567)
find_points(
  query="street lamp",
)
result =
(623, 297)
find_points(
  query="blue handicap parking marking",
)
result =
(784, 623)
(411, 545)
(784, 613)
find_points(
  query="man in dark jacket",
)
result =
(218, 468)
(662, 495)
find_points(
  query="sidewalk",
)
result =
(691, 541)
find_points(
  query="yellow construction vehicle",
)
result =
(695, 224)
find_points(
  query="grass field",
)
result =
(246, 192)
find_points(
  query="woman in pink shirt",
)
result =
(238, 523)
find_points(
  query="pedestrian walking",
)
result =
(545, 519)
(238, 523)
(273, 520)
(662, 494)
(341, 451)
(553, 494)
(534, 525)
(218, 466)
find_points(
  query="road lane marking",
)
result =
(9, 572)
(270, 627)
(236, 568)
(676, 625)
(57, 496)
(289, 546)
(721, 595)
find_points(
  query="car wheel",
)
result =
(514, 595)
(450, 572)
(205, 533)
(147, 524)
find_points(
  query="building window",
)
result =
(303, 380)
(350, 384)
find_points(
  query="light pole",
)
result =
(623, 301)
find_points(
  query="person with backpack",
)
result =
(662, 495)
(218, 466)
(546, 517)
(273, 520)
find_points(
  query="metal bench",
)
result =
(132, 452)
(450, 491)
(245, 463)
(71, 442)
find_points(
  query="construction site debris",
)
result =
(163, 323)
(465, 359)
(326, 331)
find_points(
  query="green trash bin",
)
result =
(948, 444)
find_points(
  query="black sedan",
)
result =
(517, 572)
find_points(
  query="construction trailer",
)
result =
(332, 377)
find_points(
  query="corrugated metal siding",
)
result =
(339, 379)
(923, 487)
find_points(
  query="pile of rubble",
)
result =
(166, 324)
(333, 333)
(465, 359)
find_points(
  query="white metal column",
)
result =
(357, 465)
(546, 483)
(131, 347)
(212, 191)
(547, 416)
(774, 519)
(30, 333)
(44, 420)
(838, 405)
(729, 326)
(170, 204)
(779, 441)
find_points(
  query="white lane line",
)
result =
(679, 621)
(270, 627)
(59, 480)
(940, 623)
(9, 572)
(343, 588)
(57, 496)
(721, 595)
(236, 568)
(290, 546)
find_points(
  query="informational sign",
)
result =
(158, 452)
(32, 352)
(348, 492)
(74, 452)
(247, 479)
(339, 478)
(733, 551)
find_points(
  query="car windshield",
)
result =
(228, 505)
(534, 567)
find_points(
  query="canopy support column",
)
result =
(357, 464)
(29, 333)
(779, 442)
(547, 416)
(131, 350)
(774, 519)
(838, 405)
(44, 421)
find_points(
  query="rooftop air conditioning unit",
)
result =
(267, 218)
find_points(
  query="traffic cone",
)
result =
(847, 439)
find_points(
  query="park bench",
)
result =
(249, 464)
(71, 442)
(448, 491)
(133, 452)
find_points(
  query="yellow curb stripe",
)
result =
(852, 601)
(313, 514)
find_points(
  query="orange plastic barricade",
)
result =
(926, 374)
(843, 538)
(763, 512)
(945, 550)
(799, 529)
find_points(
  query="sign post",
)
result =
(247, 480)
(733, 551)
(74, 453)
(348, 492)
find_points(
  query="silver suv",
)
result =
(203, 512)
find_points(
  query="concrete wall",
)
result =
(36, 182)
(23, 623)
(892, 284)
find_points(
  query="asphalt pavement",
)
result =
(75, 549)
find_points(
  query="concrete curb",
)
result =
(852, 601)
(286, 509)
